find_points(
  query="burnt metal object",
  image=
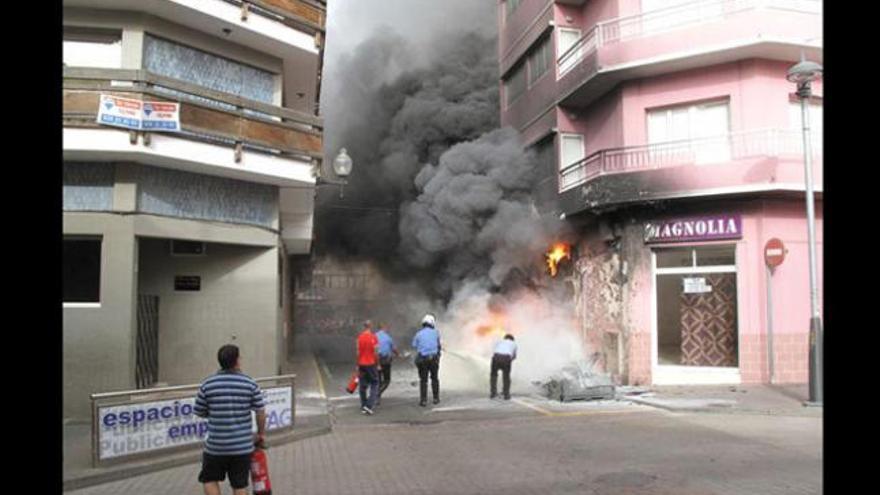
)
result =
(577, 382)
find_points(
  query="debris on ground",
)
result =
(633, 390)
(578, 381)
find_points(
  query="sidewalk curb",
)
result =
(719, 410)
(117, 473)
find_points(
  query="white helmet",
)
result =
(428, 320)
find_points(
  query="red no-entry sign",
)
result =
(774, 253)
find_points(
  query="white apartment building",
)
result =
(176, 241)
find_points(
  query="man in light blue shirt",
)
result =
(505, 353)
(386, 349)
(427, 345)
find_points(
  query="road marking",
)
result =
(546, 412)
(444, 409)
(320, 380)
(532, 406)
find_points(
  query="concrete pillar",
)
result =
(125, 188)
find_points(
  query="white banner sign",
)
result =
(130, 429)
(696, 285)
(120, 112)
(139, 115)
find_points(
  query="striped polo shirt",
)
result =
(227, 399)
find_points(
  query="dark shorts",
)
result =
(215, 468)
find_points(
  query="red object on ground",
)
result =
(260, 472)
(352, 383)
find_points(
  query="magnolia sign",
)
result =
(130, 429)
(709, 228)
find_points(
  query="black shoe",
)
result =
(506, 397)
(423, 403)
(492, 396)
(436, 400)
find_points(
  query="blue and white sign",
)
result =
(129, 429)
(120, 112)
(139, 115)
(161, 116)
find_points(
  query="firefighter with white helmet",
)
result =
(427, 345)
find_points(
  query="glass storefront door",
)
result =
(696, 307)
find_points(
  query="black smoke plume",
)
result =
(438, 193)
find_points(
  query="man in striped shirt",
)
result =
(227, 399)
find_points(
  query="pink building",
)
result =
(670, 140)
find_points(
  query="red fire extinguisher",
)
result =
(260, 470)
(352, 383)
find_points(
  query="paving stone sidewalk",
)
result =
(311, 418)
(651, 452)
(777, 400)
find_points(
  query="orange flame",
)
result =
(559, 252)
(493, 328)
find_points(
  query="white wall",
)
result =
(237, 303)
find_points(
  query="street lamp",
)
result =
(803, 74)
(342, 165)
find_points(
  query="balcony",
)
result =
(735, 163)
(221, 134)
(304, 15)
(696, 34)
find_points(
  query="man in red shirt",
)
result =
(368, 367)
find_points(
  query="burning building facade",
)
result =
(668, 138)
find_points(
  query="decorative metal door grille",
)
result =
(147, 364)
(708, 323)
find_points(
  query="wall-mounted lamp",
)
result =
(342, 166)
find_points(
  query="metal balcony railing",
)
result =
(669, 19)
(717, 149)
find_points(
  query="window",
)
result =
(194, 66)
(795, 121)
(540, 60)
(87, 47)
(696, 133)
(81, 270)
(710, 255)
(572, 147)
(515, 85)
(567, 38)
(511, 6)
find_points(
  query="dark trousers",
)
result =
(500, 362)
(427, 365)
(385, 375)
(369, 376)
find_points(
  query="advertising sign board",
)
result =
(161, 116)
(137, 428)
(120, 112)
(138, 115)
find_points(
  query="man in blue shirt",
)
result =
(227, 399)
(386, 349)
(427, 345)
(505, 353)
